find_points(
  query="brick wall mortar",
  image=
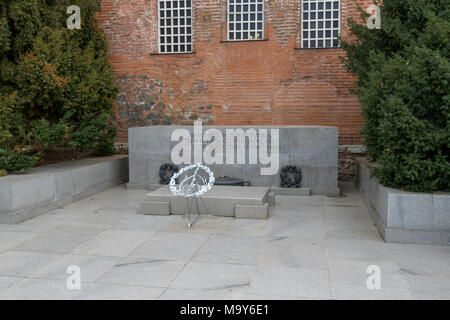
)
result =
(260, 82)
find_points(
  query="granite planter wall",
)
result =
(405, 217)
(24, 196)
(313, 148)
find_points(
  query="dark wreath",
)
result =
(290, 177)
(166, 171)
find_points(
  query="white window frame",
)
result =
(324, 29)
(186, 34)
(249, 30)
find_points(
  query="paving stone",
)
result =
(91, 267)
(294, 252)
(196, 294)
(102, 217)
(10, 240)
(428, 287)
(213, 276)
(6, 282)
(113, 243)
(143, 272)
(300, 211)
(357, 250)
(21, 263)
(230, 249)
(59, 240)
(140, 222)
(53, 222)
(101, 291)
(347, 198)
(248, 227)
(155, 208)
(352, 230)
(346, 213)
(354, 273)
(295, 282)
(271, 297)
(251, 212)
(352, 233)
(25, 228)
(39, 289)
(363, 293)
(170, 246)
(302, 251)
(204, 224)
(421, 259)
(300, 227)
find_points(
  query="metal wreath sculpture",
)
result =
(194, 184)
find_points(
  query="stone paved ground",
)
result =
(311, 248)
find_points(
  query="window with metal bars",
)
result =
(245, 20)
(175, 26)
(320, 23)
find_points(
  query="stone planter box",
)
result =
(405, 217)
(25, 196)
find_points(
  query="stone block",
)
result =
(441, 212)
(410, 211)
(24, 196)
(314, 148)
(291, 191)
(405, 217)
(219, 201)
(271, 198)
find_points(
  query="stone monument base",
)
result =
(228, 201)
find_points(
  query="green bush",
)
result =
(403, 85)
(17, 160)
(56, 85)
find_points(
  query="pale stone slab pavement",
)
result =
(311, 247)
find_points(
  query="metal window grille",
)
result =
(320, 23)
(245, 20)
(175, 26)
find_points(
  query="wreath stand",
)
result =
(190, 202)
(189, 188)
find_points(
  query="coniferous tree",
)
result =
(56, 85)
(403, 85)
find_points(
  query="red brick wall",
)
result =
(260, 82)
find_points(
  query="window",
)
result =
(245, 20)
(320, 24)
(175, 26)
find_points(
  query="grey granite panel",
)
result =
(405, 217)
(410, 211)
(441, 212)
(313, 148)
(46, 188)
